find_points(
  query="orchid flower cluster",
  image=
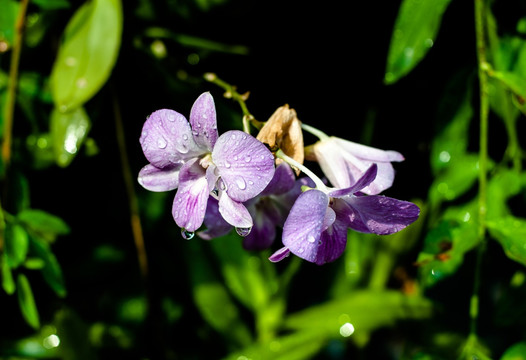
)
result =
(252, 183)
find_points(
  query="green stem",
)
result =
(231, 92)
(483, 156)
(12, 83)
(318, 133)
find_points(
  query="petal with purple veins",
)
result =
(362, 182)
(190, 201)
(203, 120)
(280, 254)
(379, 214)
(245, 164)
(155, 179)
(166, 139)
(303, 227)
(332, 242)
(282, 181)
(262, 234)
(234, 213)
(216, 226)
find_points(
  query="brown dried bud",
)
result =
(283, 131)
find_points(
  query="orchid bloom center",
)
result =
(206, 161)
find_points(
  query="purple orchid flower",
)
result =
(268, 210)
(316, 228)
(344, 162)
(190, 156)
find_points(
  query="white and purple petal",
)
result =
(166, 139)
(190, 201)
(216, 226)
(332, 242)
(262, 234)
(377, 214)
(203, 120)
(234, 213)
(366, 179)
(155, 179)
(304, 225)
(244, 163)
(282, 182)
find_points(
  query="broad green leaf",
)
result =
(510, 232)
(43, 224)
(51, 4)
(502, 186)
(414, 33)
(7, 20)
(26, 302)
(458, 178)
(51, 271)
(515, 352)
(88, 53)
(299, 345)
(68, 131)
(365, 310)
(212, 298)
(16, 244)
(444, 249)
(243, 272)
(513, 81)
(8, 283)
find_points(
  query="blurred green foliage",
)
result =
(73, 282)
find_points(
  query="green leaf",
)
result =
(414, 33)
(88, 53)
(51, 271)
(300, 345)
(510, 232)
(16, 244)
(51, 4)
(68, 131)
(212, 298)
(43, 224)
(502, 186)
(513, 81)
(7, 20)
(243, 272)
(26, 302)
(8, 283)
(365, 310)
(515, 352)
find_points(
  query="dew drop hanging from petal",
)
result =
(187, 235)
(243, 231)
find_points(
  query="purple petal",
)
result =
(378, 214)
(303, 227)
(362, 182)
(234, 213)
(280, 254)
(332, 242)
(155, 179)
(262, 234)
(245, 164)
(282, 181)
(166, 139)
(190, 201)
(216, 226)
(204, 121)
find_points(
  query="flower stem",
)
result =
(135, 219)
(319, 184)
(318, 133)
(12, 83)
(231, 92)
(483, 156)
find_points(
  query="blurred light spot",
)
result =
(50, 342)
(429, 42)
(243, 357)
(444, 156)
(193, 59)
(158, 49)
(42, 142)
(70, 61)
(3, 46)
(82, 82)
(466, 217)
(344, 318)
(70, 144)
(346, 329)
(442, 188)
(517, 279)
(409, 52)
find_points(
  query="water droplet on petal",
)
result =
(170, 117)
(247, 158)
(243, 231)
(311, 239)
(187, 235)
(185, 137)
(227, 164)
(241, 184)
(161, 143)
